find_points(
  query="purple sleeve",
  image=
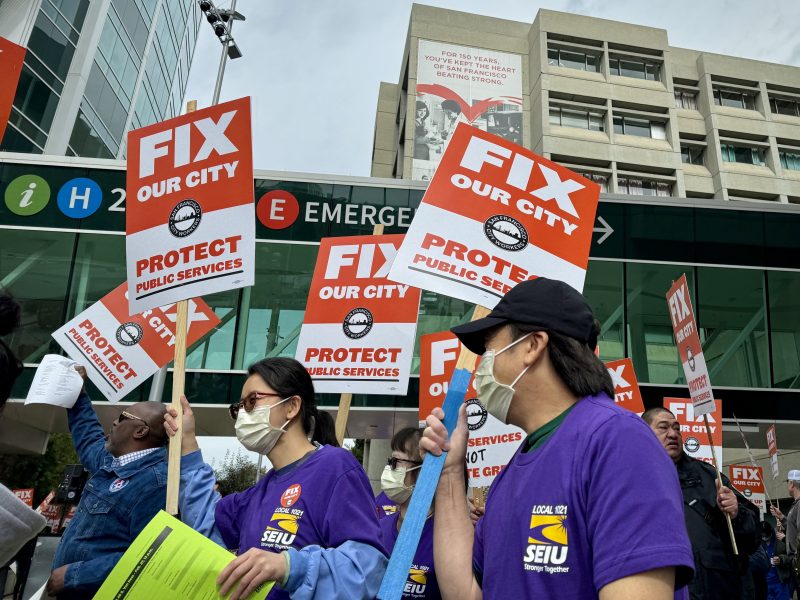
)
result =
(227, 520)
(358, 522)
(634, 514)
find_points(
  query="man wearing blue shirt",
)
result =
(127, 488)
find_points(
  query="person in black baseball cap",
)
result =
(554, 523)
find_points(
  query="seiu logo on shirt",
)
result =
(417, 581)
(548, 542)
(282, 530)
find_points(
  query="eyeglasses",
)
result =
(126, 415)
(248, 403)
(393, 460)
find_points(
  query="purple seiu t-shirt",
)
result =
(421, 582)
(598, 501)
(326, 500)
(384, 505)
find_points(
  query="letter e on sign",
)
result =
(277, 209)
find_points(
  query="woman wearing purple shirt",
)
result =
(309, 524)
(397, 482)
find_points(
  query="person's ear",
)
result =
(295, 404)
(141, 432)
(534, 347)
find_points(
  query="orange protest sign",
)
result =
(626, 388)
(491, 442)
(689, 348)
(121, 351)
(693, 428)
(190, 219)
(359, 327)
(26, 495)
(496, 214)
(11, 58)
(749, 481)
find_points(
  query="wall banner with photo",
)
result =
(463, 84)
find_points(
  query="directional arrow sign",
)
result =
(606, 230)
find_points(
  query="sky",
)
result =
(313, 67)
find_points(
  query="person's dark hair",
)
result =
(574, 362)
(451, 105)
(650, 415)
(289, 377)
(767, 529)
(421, 105)
(10, 365)
(407, 440)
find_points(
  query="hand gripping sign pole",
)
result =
(408, 538)
(690, 352)
(345, 399)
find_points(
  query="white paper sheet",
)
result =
(56, 382)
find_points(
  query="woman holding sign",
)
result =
(286, 528)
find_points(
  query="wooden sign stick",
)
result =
(719, 478)
(343, 413)
(408, 539)
(178, 388)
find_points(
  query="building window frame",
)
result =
(651, 69)
(593, 120)
(789, 158)
(736, 152)
(686, 98)
(734, 98)
(644, 185)
(592, 61)
(692, 154)
(635, 125)
(773, 106)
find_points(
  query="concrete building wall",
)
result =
(706, 128)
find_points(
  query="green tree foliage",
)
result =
(358, 450)
(40, 472)
(236, 474)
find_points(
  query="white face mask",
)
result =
(254, 430)
(495, 396)
(393, 483)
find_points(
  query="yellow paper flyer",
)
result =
(169, 560)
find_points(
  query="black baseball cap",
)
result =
(546, 303)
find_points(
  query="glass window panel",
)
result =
(638, 127)
(790, 161)
(573, 60)
(651, 345)
(99, 268)
(574, 118)
(592, 63)
(653, 71)
(630, 68)
(552, 56)
(35, 267)
(749, 101)
(613, 65)
(732, 322)
(618, 125)
(277, 301)
(732, 99)
(603, 290)
(215, 351)
(555, 116)
(784, 323)
(658, 131)
(596, 122)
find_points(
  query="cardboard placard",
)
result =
(359, 327)
(121, 351)
(190, 217)
(749, 480)
(693, 428)
(689, 348)
(491, 442)
(626, 387)
(496, 214)
(772, 448)
(12, 56)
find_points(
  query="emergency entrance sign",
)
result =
(689, 348)
(749, 481)
(190, 220)
(359, 327)
(119, 351)
(491, 442)
(693, 428)
(494, 215)
(626, 388)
